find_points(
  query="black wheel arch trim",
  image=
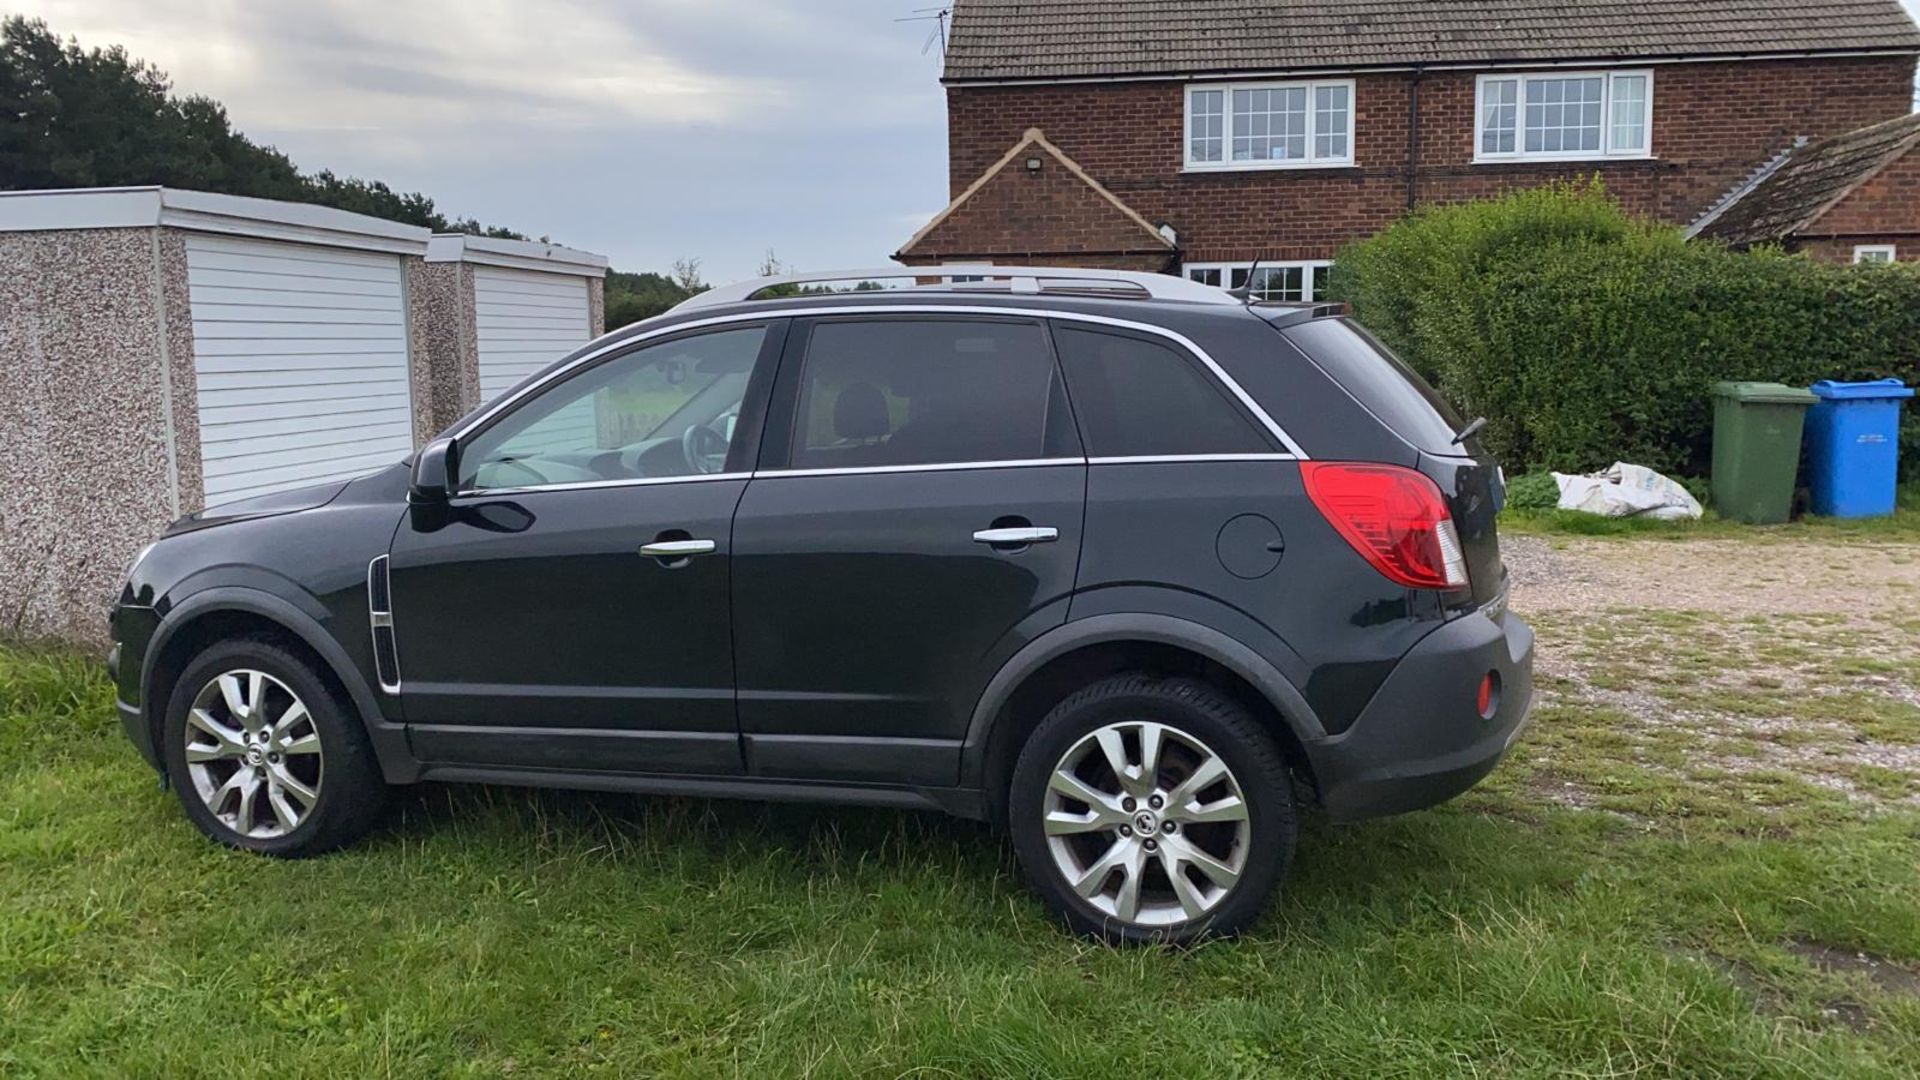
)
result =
(389, 739)
(1118, 627)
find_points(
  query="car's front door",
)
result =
(915, 520)
(570, 608)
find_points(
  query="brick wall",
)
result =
(1884, 210)
(1839, 249)
(1713, 124)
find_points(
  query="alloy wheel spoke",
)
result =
(1184, 889)
(1218, 872)
(236, 697)
(1225, 808)
(305, 744)
(1098, 817)
(288, 782)
(1115, 751)
(283, 810)
(1133, 871)
(1204, 776)
(1096, 875)
(1151, 737)
(293, 715)
(1065, 783)
(231, 742)
(246, 815)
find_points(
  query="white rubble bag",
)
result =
(1627, 491)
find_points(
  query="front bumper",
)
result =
(132, 628)
(1421, 740)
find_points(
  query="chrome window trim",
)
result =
(1182, 340)
(580, 485)
(936, 466)
(871, 470)
(1167, 459)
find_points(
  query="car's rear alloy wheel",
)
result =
(1146, 823)
(253, 754)
(1147, 808)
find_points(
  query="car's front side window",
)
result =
(658, 411)
(900, 392)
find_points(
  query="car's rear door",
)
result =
(916, 519)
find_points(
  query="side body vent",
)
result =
(386, 657)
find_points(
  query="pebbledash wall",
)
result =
(1713, 124)
(161, 349)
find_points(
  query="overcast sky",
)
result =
(644, 129)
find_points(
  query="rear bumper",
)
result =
(1421, 740)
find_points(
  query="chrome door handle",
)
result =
(677, 549)
(1032, 534)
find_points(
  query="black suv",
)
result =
(1117, 560)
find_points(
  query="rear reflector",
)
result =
(1395, 518)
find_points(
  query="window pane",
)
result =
(661, 410)
(924, 392)
(1270, 124)
(1498, 113)
(1134, 397)
(1563, 115)
(1280, 283)
(1330, 112)
(1630, 113)
(1210, 276)
(1205, 126)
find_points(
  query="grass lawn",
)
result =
(1703, 860)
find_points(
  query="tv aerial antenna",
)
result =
(938, 16)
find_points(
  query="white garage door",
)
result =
(524, 321)
(301, 353)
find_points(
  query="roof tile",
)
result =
(1049, 39)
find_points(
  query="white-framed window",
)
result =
(1278, 125)
(966, 279)
(1277, 281)
(1875, 253)
(1563, 115)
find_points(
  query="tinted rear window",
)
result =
(1138, 398)
(879, 392)
(1384, 384)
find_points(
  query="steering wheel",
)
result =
(701, 444)
(538, 477)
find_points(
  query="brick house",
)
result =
(1198, 136)
(1852, 198)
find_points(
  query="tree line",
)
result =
(76, 117)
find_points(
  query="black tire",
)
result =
(350, 794)
(1196, 711)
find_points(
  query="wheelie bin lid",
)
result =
(1764, 393)
(1833, 390)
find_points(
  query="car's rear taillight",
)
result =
(1394, 517)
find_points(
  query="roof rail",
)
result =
(1031, 280)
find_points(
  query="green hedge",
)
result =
(1585, 336)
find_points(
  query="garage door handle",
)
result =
(1031, 534)
(677, 549)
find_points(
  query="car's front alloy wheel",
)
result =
(266, 752)
(253, 754)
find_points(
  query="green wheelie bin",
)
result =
(1756, 449)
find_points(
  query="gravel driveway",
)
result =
(1732, 577)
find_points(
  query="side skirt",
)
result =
(959, 802)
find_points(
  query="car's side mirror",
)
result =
(433, 472)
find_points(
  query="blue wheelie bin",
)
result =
(1853, 446)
